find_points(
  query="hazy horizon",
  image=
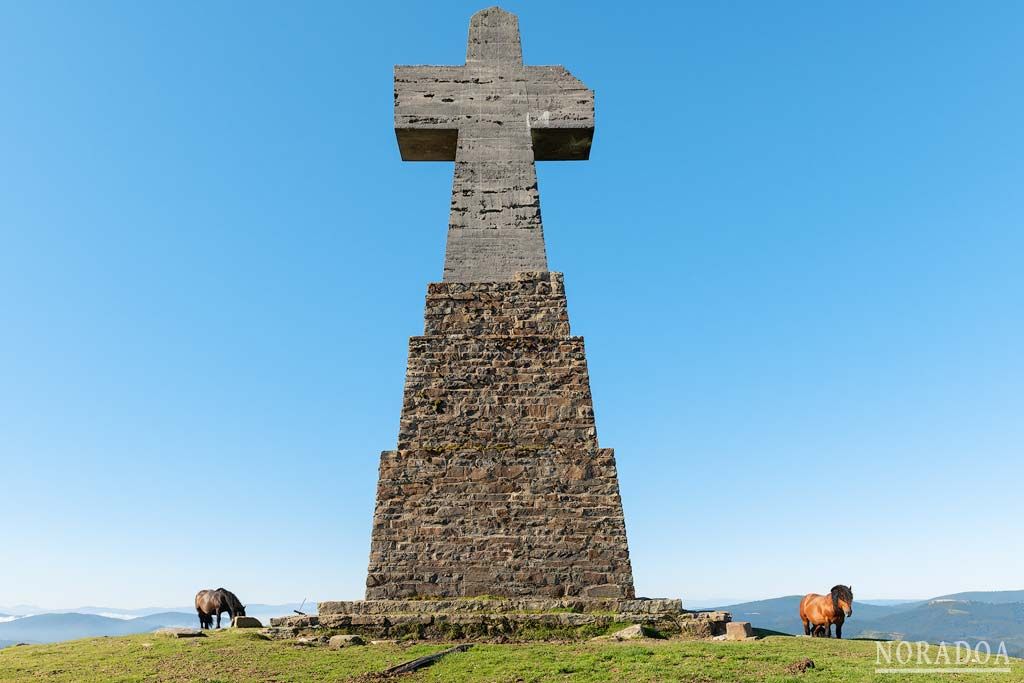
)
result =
(702, 602)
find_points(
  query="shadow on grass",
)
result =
(765, 632)
(870, 640)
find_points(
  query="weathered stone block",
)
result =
(246, 622)
(297, 621)
(738, 630)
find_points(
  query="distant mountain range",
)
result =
(995, 597)
(971, 616)
(44, 626)
(48, 628)
(952, 620)
(127, 613)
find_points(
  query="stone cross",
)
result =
(498, 485)
(494, 117)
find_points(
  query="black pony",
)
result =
(211, 603)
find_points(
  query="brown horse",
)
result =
(819, 612)
(211, 603)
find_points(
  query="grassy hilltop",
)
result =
(233, 655)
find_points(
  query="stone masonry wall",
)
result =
(533, 304)
(498, 486)
(499, 522)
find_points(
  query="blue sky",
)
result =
(795, 255)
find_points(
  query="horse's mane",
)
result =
(840, 591)
(232, 598)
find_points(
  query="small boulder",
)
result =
(338, 642)
(630, 633)
(172, 632)
(738, 630)
(246, 622)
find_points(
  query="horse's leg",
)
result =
(201, 622)
(218, 619)
(839, 629)
(807, 627)
(828, 630)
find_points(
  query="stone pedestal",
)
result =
(498, 486)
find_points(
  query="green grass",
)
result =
(233, 655)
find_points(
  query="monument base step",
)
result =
(514, 619)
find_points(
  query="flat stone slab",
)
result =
(296, 621)
(246, 622)
(172, 632)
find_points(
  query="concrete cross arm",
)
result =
(561, 114)
(433, 103)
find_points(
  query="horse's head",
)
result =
(842, 597)
(241, 610)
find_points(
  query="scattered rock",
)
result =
(738, 630)
(172, 632)
(279, 632)
(629, 633)
(634, 632)
(800, 667)
(246, 622)
(307, 641)
(338, 642)
(383, 642)
(721, 637)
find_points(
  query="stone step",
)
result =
(504, 606)
(442, 622)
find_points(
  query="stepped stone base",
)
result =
(518, 618)
(498, 485)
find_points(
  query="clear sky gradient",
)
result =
(795, 254)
